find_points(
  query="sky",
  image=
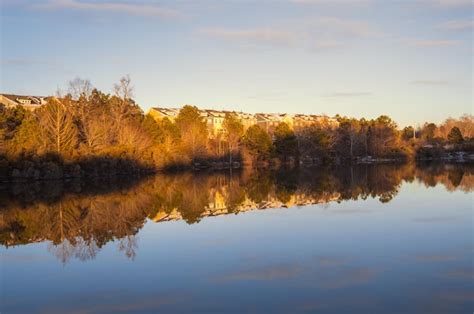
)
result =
(411, 60)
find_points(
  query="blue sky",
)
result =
(411, 59)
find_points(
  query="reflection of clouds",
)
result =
(325, 272)
(437, 219)
(331, 261)
(348, 211)
(113, 303)
(435, 258)
(346, 277)
(264, 273)
(460, 273)
(217, 242)
(448, 301)
(338, 303)
(20, 258)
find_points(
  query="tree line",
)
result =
(84, 129)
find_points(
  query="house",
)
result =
(28, 102)
(214, 121)
(246, 119)
(160, 113)
(303, 120)
(269, 121)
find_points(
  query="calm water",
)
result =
(367, 239)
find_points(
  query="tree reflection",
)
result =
(78, 223)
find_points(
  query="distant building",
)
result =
(246, 119)
(161, 113)
(301, 121)
(214, 121)
(268, 121)
(28, 102)
(214, 118)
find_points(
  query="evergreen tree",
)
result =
(455, 136)
(286, 144)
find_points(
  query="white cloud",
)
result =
(117, 7)
(456, 25)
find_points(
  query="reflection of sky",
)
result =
(363, 256)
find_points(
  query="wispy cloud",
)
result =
(134, 8)
(339, 2)
(435, 43)
(448, 3)
(18, 61)
(321, 45)
(347, 27)
(456, 25)
(433, 82)
(347, 94)
(252, 36)
(319, 34)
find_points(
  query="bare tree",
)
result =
(129, 246)
(133, 136)
(123, 106)
(80, 88)
(124, 88)
(57, 122)
(234, 131)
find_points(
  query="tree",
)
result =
(429, 131)
(383, 137)
(408, 133)
(314, 142)
(133, 137)
(80, 88)
(233, 132)
(153, 129)
(122, 105)
(285, 141)
(57, 123)
(455, 136)
(348, 137)
(258, 142)
(193, 131)
(27, 136)
(464, 123)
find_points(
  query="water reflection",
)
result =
(79, 218)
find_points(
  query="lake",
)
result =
(361, 239)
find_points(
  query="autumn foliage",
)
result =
(87, 132)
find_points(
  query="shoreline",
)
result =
(28, 176)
